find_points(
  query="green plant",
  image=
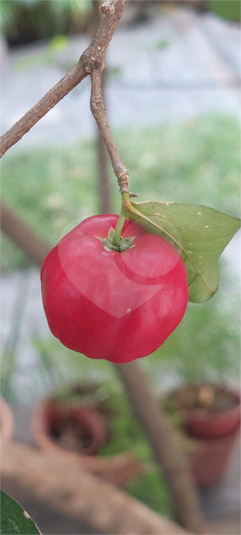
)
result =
(151, 489)
(228, 9)
(23, 21)
(206, 345)
(88, 393)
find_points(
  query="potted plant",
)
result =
(74, 422)
(210, 415)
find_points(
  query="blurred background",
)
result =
(172, 97)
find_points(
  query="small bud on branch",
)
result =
(108, 8)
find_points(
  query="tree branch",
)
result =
(91, 59)
(22, 234)
(67, 487)
(45, 104)
(168, 456)
(98, 110)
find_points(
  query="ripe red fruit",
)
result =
(108, 304)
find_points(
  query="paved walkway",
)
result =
(178, 65)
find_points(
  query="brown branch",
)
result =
(104, 34)
(68, 488)
(92, 58)
(167, 453)
(45, 104)
(22, 234)
(98, 110)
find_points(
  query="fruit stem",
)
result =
(126, 201)
(118, 229)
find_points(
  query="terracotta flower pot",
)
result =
(209, 460)
(6, 420)
(201, 423)
(59, 426)
(50, 418)
(210, 414)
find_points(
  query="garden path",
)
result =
(177, 65)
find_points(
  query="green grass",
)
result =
(197, 162)
(52, 188)
(228, 9)
(49, 188)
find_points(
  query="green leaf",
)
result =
(14, 520)
(198, 232)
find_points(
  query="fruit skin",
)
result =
(111, 305)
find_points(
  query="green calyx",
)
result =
(110, 245)
(114, 240)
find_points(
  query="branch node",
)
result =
(108, 8)
(87, 69)
(123, 181)
(92, 59)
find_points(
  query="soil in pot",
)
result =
(77, 429)
(72, 435)
(77, 413)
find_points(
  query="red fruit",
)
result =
(113, 305)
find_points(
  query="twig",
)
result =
(39, 110)
(98, 110)
(103, 175)
(92, 58)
